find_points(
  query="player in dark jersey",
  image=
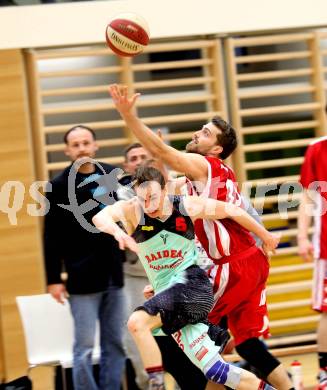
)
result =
(160, 229)
(240, 271)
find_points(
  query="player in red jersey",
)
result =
(314, 203)
(241, 269)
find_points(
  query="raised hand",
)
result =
(123, 103)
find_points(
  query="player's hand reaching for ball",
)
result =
(125, 105)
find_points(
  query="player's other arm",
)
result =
(200, 208)
(193, 165)
(106, 221)
(304, 221)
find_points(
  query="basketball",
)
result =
(127, 34)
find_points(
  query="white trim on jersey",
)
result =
(211, 236)
(316, 237)
(319, 274)
(324, 138)
(223, 279)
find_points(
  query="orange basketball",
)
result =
(127, 34)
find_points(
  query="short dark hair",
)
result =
(145, 173)
(130, 147)
(227, 138)
(78, 127)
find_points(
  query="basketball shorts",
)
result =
(319, 288)
(239, 294)
(182, 303)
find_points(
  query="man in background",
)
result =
(91, 259)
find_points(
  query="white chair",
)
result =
(48, 329)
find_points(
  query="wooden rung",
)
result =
(150, 121)
(99, 51)
(173, 82)
(175, 99)
(171, 65)
(275, 198)
(252, 93)
(325, 69)
(278, 352)
(291, 268)
(278, 216)
(101, 144)
(292, 55)
(282, 162)
(283, 288)
(177, 46)
(82, 72)
(323, 52)
(164, 101)
(66, 53)
(275, 74)
(138, 86)
(272, 180)
(288, 304)
(277, 145)
(178, 136)
(294, 321)
(272, 39)
(74, 91)
(64, 164)
(287, 233)
(287, 251)
(279, 109)
(94, 125)
(279, 127)
(80, 108)
(296, 339)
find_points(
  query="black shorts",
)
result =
(183, 303)
(185, 373)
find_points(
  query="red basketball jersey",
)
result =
(314, 170)
(224, 237)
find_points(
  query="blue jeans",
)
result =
(109, 308)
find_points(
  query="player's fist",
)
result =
(148, 291)
(270, 243)
(58, 292)
(305, 249)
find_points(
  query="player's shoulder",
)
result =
(318, 143)
(317, 146)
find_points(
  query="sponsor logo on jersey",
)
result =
(147, 228)
(198, 340)
(201, 353)
(178, 338)
(172, 253)
(164, 237)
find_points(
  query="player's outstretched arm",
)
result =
(212, 209)
(193, 165)
(106, 221)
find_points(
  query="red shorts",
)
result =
(319, 289)
(240, 294)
